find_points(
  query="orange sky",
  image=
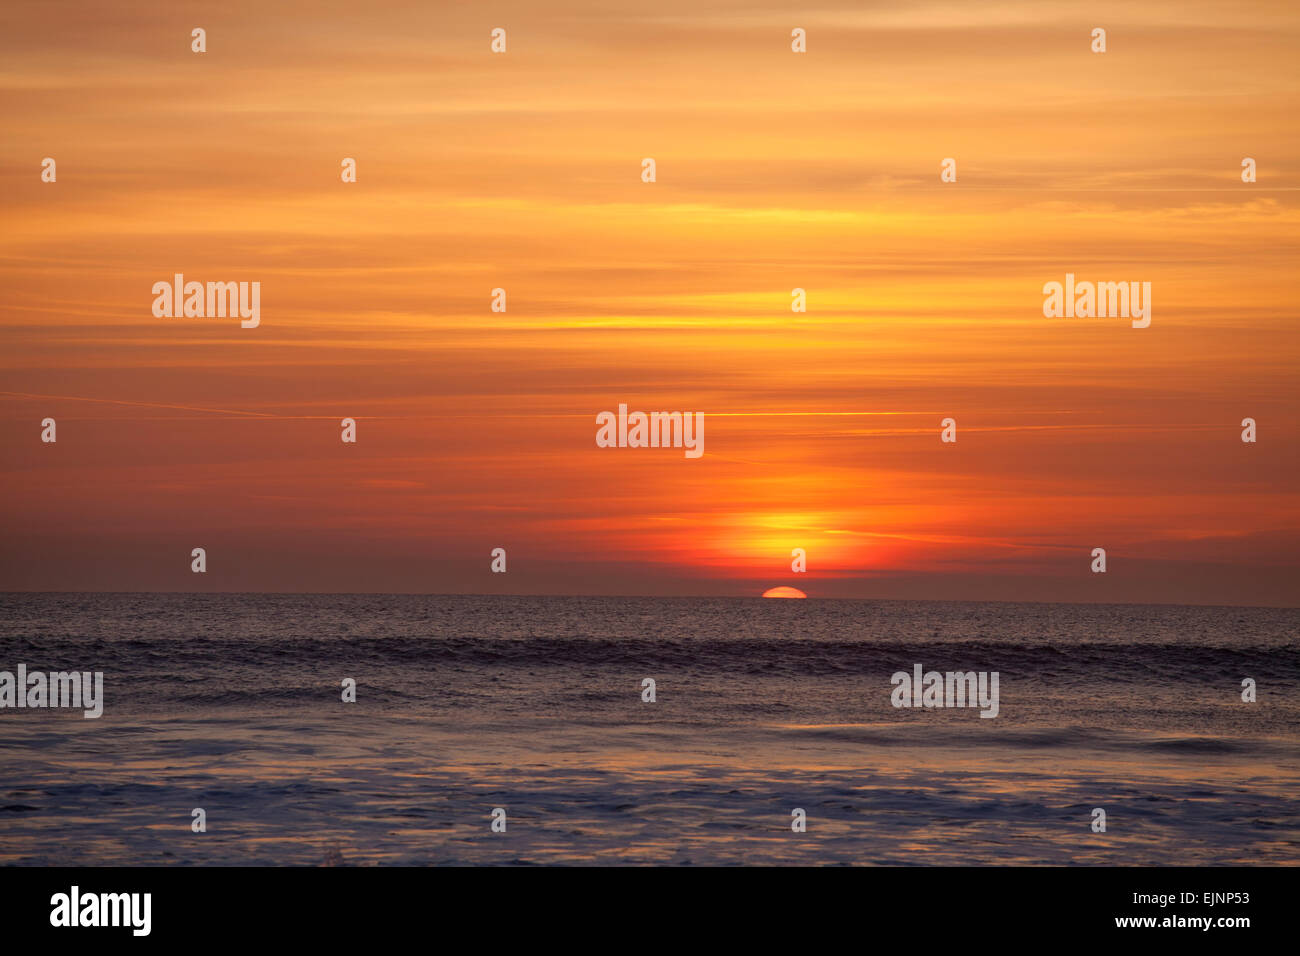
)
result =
(775, 171)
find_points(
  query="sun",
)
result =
(784, 592)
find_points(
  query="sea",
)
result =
(534, 713)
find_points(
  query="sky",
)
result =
(774, 171)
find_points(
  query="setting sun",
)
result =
(784, 592)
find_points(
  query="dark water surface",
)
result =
(232, 703)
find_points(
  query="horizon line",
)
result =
(661, 597)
